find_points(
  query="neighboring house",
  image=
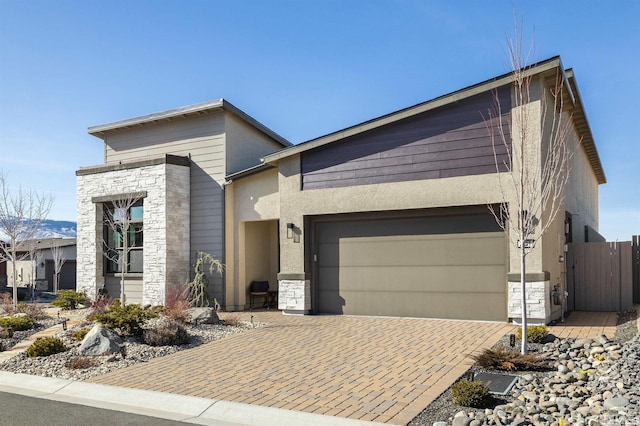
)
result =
(175, 162)
(42, 265)
(3, 272)
(388, 217)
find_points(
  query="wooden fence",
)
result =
(601, 276)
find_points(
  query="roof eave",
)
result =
(581, 124)
(204, 108)
(487, 85)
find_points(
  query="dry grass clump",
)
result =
(177, 304)
(232, 320)
(32, 310)
(166, 333)
(502, 358)
(82, 362)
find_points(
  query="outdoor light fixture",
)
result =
(64, 324)
(512, 340)
(290, 230)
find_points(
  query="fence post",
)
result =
(635, 268)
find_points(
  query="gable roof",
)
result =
(549, 66)
(187, 111)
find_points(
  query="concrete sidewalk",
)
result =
(187, 409)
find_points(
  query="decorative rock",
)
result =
(100, 341)
(203, 316)
(616, 403)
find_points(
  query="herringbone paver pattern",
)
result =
(381, 369)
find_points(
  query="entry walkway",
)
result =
(367, 368)
(582, 324)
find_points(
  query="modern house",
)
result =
(40, 269)
(174, 164)
(388, 217)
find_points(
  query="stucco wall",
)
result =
(295, 203)
(166, 209)
(251, 204)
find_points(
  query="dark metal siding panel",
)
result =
(447, 142)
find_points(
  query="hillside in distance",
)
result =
(51, 229)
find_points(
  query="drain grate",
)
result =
(498, 384)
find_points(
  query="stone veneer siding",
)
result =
(538, 303)
(166, 224)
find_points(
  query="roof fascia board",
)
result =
(584, 132)
(149, 118)
(189, 110)
(414, 110)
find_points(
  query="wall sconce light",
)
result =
(290, 230)
(42, 264)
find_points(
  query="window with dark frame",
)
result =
(114, 239)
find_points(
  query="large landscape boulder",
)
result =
(203, 316)
(100, 341)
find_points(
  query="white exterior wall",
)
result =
(166, 221)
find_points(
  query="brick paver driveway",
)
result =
(369, 368)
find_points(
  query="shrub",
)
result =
(45, 347)
(99, 305)
(69, 299)
(16, 323)
(471, 394)
(126, 320)
(81, 362)
(535, 333)
(79, 335)
(177, 304)
(232, 320)
(502, 358)
(32, 310)
(166, 333)
(4, 334)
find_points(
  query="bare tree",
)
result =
(538, 160)
(122, 236)
(58, 256)
(21, 215)
(36, 256)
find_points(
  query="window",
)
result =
(120, 221)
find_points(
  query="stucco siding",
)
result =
(295, 204)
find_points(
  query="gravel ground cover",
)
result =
(616, 376)
(134, 352)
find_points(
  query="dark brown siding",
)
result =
(446, 142)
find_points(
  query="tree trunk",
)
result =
(523, 348)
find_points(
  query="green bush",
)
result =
(79, 335)
(126, 320)
(45, 347)
(471, 394)
(166, 333)
(69, 299)
(535, 333)
(16, 323)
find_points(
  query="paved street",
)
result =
(27, 411)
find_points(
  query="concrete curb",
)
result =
(182, 408)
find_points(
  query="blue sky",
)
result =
(302, 68)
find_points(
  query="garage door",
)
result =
(431, 267)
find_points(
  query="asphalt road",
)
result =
(18, 410)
